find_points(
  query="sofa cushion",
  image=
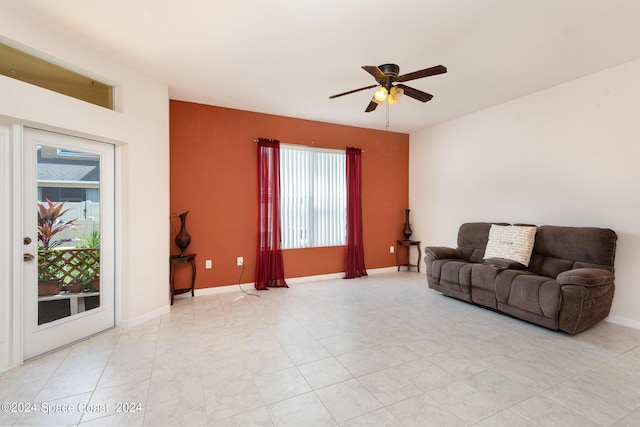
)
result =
(510, 242)
(580, 246)
(483, 278)
(451, 277)
(549, 266)
(529, 292)
(472, 239)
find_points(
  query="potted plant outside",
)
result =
(89, 280)
(89, 277)
(48, 281)
(50, 224)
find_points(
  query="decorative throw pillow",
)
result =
(511, 242)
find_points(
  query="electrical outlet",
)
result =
(240, 261)
(392, 249)
(207, 264)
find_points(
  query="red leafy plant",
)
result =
(50, 223)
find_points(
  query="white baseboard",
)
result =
(145, 317)
(290, 280)
(623, 321)
(383, 270)
(217, 290)
(316, 278)
(332, 276)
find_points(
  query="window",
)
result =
(313, 199)
(63, 194)
(62, 153)
(39, 72)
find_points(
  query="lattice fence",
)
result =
(71, 265)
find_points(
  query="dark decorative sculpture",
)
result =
(183, 238)
(407, 227)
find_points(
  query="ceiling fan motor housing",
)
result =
(391, 71)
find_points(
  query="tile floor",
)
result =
(378, 351)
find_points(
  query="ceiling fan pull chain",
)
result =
(387, 115)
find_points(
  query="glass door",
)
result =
(68, 204)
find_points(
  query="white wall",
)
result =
(568, 155)
(5, 249)
(140, 130)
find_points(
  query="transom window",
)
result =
(25, 67)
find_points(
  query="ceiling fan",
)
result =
(386, 75)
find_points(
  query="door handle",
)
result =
(27, 240)
(28, 257)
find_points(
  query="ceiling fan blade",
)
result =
(415, 93)
(375, 72)
(352, 91)
(372, 106)
(438, 69)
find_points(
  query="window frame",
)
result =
(318, 230)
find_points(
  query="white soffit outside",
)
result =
(286, 57)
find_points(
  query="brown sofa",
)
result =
(568, 284)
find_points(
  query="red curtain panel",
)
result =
(354, 252)
(269, 263)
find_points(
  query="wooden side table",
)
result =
(407, 244)
(181, 259)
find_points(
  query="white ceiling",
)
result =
(286, 57)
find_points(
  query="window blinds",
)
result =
(312, 197)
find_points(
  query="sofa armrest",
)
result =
(585, 277)
(441, 252)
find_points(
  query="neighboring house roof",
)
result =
(67, 169)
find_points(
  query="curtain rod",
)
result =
(255, 141)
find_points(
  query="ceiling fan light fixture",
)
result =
(381, 94)
(394, 95)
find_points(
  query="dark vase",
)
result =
(407, 227)
(183, 238)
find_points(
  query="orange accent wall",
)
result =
(213, 175)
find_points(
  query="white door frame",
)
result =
(11, 247)
(15, 349)
(7, 331)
